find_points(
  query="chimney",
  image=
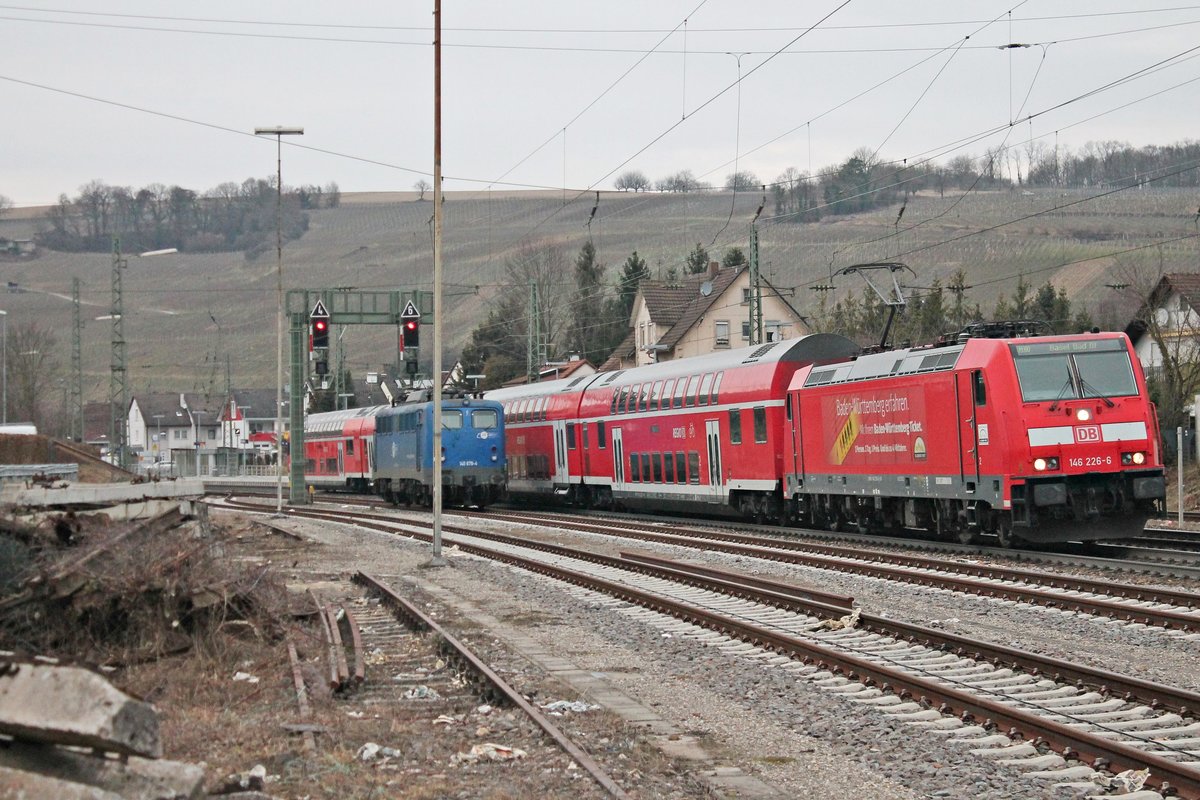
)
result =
(713, 268)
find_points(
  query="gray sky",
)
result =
(549, 94)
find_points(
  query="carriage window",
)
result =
(545, 405)
(656, 462)
(655, 394)
(716, 388)
(677, 401)
(570, 435)
(680, 468)
(601, 442)
(690, 397)
(668, 389)
(612, 407)
(621, 403)
(583, 437)
(635, 468)
(644, 402)
(645, 466)
(735, 426)
(349, 447)
(452, 420)
(484, 419)
(705, 387)
(694, 466)
(668, 467)
(760, 424)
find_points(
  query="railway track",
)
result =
(970, 691)
(416, 666)
(1154, 606)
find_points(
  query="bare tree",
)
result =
(742, 181)
(632, 180)
(1172, 360)
(34, 373)
(422, 186)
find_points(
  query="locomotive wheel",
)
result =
(1005, 534)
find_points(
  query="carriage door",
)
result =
(968, 428)
(713, 430)
(560, 452)
(618, 454)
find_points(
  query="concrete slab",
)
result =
(136, 779)
(102, 493)
(18, 785)
(70, 705)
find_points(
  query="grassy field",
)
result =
(381, 241)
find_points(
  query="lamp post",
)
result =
(279, 132)
(197, 415)
(4, 357)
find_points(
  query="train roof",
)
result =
(814, 347)
(326, 421)
(447, 402)
(912, 361)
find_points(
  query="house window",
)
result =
(746, 331)
(722, 333)
(745, 295)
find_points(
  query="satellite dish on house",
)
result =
(706, 288)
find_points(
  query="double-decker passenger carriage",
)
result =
(472, 454)
(1043, 439)
(702, 434)
(339, 449)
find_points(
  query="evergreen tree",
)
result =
(734, 257)
(697, 260)
(633, 272)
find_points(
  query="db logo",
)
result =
(1087, 433)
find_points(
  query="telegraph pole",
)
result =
(437, 560)
(76, 366)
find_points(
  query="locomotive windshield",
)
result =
(1072, 370)
(484, 419)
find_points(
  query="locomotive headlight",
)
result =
(1133, 458)
(1083, 415)
(495, 457)
(1039, 464)
(1139, 458)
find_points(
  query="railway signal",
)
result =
(319, 327)
(410, 327)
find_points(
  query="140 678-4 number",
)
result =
(1091, 461)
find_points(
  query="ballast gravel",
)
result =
(765, 720)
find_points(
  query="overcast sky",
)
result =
(547, 94)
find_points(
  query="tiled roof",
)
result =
(697, 304)
(623, 351)
(666, 302)
(159, 403)
(1187, 284)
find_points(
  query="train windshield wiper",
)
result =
(1063, 392)
(1087, 387)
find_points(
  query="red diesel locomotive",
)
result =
(1031, 439)
(1045, 439)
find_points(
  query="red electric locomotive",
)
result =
(1044, 439)
(339, 449)
(702, 434)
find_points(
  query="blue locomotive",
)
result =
(473, 463)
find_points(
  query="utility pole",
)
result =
(437, 560)
(756, 320)
(118, 384)
(76, 366)
(535, 335)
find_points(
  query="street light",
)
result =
(278, 132)
(4, 357)
(197, 415)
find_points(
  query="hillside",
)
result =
(385, 242)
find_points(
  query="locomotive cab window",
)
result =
(484, 419)
(980, 387)
(452, 420)
(1071, 370)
